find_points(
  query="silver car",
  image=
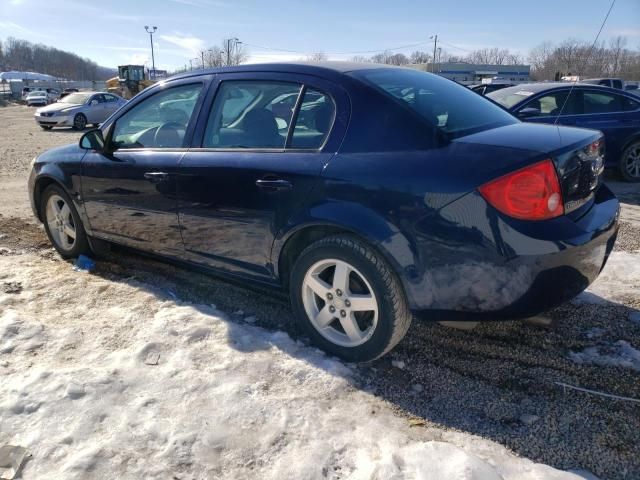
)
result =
(79, 109)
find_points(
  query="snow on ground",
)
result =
(82, 391)
(618, 354)
(619, 279)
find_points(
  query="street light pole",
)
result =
(153, 60)
(435, 44)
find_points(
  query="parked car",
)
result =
(77, 110)
(27, 90)
(614, 112)
(397, 192)
(67, 91)
(53, 94)
(37, 97)
(605, 82)
(484, 88)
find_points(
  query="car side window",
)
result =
(601, 102)
(251, 114)
(159, 121)
(551, 104)
(314, 120)
(629, 105)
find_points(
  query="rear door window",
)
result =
(314, 121)
(601, 102)
(249, 114)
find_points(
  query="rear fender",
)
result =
(358, 220)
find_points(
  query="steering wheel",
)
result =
(167, 136)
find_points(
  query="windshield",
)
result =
(75, 98)
(508, 97)
(453, 109)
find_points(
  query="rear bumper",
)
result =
(513, 269)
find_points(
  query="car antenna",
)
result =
(573, 84)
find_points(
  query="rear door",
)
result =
(614, 115)
(130, 191)
(257, 155)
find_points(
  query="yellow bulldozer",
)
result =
(130, 81)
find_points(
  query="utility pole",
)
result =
(153, 60)
(435, 44)
(202, 55)
(190, 65)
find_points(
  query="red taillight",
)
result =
(531, 193)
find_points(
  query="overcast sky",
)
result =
(111, 32)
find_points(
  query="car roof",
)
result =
(544, 86)
(322, 69)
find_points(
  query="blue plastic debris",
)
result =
(84, 264)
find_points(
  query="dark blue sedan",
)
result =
(370, 193)
(614, 112)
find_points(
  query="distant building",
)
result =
(468, 73)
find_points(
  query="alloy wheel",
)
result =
(60, 222)
(80, 122)
(632, 162)
(339, 302)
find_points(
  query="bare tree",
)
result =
(360, 59)
(230, 52)
(317, 57)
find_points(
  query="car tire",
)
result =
(365, 318)
(46, 127)
(629, 165)
(62, 223)
(79, 121)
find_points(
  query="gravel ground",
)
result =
(496, 381)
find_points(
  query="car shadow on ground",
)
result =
(627, 192)
(499, 381)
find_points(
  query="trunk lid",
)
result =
(578, 155)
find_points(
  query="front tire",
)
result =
(348, 300)
(62, 223)
(79, 121)
(629, 165)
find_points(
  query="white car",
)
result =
(77, 110)
(38, 97)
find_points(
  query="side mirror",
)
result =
(93, 102)
(92, 140)
(529, 112)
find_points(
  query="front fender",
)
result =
(66, 176)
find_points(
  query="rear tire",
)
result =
(629, 165)
(62, 223)
(348, 299)
(79, 121)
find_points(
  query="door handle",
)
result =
(274, 184)
(156, 177)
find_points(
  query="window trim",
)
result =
(304, 86)
(191, 124)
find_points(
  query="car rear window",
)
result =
(453, 109)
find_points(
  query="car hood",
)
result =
(57, 107)
(62, 153)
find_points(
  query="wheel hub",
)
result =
(344, 312)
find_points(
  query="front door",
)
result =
(261, 150)
(130, 190)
